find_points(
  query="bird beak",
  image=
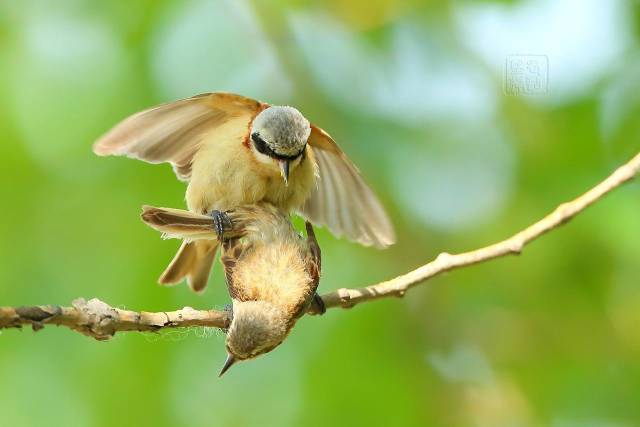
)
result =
(284, 170)
(227, 364)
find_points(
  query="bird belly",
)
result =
(223, 177)
(224, 191)
(274, 272)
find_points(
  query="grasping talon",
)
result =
(221, 223)
(228, 309)
(317, 305)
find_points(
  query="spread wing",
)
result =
(342, 201)
(172, 132)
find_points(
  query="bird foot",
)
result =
(221, 223)
(228, 309)
(317, 305)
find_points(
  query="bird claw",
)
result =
(228, 309)
(221, 223)
(317, 305)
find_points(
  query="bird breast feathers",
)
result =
(273, 272)
(226, 174)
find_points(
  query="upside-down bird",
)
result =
(233, 151)
(272, 272)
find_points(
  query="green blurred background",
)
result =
(415, 94)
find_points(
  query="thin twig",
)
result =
(101, 321)
(514, 245)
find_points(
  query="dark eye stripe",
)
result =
(263, 148)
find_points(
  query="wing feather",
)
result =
(342, 201)
(172, 132)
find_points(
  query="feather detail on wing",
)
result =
(173, 132)
(342, 201)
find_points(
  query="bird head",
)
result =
(279, 136)
(257, 327)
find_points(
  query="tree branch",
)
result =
(101, 321)
(347, 298)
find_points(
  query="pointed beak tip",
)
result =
(284, 171)
(227, 364)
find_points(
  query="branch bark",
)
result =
(97, 319)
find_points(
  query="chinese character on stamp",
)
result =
(526, 75)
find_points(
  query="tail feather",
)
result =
(201, 269)
(180, 266)
(193, 262)
(195, 257)
(178, 223)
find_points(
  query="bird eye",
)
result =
(260, 144)
(264, 148)
(257, 138)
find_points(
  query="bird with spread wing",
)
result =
(232, 151)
